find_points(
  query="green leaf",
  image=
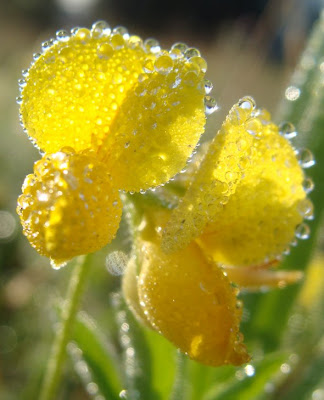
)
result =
(306, 112)
(99, 355)
(249, 382)
(137, 358)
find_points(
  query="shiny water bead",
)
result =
(163, 64)
(243, 202)
(68, 206)
(208, 86)
(191, 52)
(100, 29)
(305, 158)
(121, 30)
(174, 289)
(210, 105)
(74, 90)
(306, 209)
(62, 36)
(157, 126)
(152, 46)
(288, 130)
(302, 231)
(308, 185)
(179, 46)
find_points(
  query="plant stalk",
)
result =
(69, 310)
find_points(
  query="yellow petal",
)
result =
(192, 304)
(75, 88)
(69, 206)
(157, 126)
(247, 198)
(142, 109)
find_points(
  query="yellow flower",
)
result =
(246, 201)
(140, 108)
(69, 206)
(188, 300)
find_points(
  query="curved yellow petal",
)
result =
(69, 206)
(247, 198)
(140, 108)
(158, 125)
(73, 90)
(192, 303)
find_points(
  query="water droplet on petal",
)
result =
(121, 30)
(163, 64)
(21, 83)
(25, 73)
(152, 45)
(105, 51)
(305, 158)
(191, 52)
(56, 265)
(36, 56)
(48, 44)
(287, 130)
(100, 29)
(306, 209)
(135, 42)
(208, 86)
(180, 46)
(308, 185)
(247, 103)
(19, 100)
(302, 231)
(210, 105)
(62, 36)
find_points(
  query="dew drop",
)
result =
(116, 262)
(46, 45)
(302, 231)
(57, 265)
(210, 105)
(121, 30)
(74, 30)
(249, 370)
(308, 185)
(36, 56)
(247, 103)
(25, 73)
(62, 36)
(105, 51)
(148, 66)
(306, 209)
(123, 394)
(287, 130)
(22, 83)
(180, 46)
(117, 41)
(305, 158)
(135, 42)
(152, 45)
(82, 34)
(100, 29)
(191, 52)
(19, 100)
(200, 62)
(208, 86)
(163, 64)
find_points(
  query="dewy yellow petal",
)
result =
(74, 89)
(192, 304)
(244, 203)
(157, 126)
(140, 108)
(69, 206)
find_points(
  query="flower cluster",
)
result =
(112, 113)
(127, 108)
(245, 205)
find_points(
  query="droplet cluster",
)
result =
(141, 108)
(248, 198)
(69, 206)
(173, 306)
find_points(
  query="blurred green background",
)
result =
(252, 48)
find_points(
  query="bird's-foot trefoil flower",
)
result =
(245, 205)
(138, 109)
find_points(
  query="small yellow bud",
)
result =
(69, 206)
(190, 302)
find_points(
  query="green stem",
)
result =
(58, 352)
